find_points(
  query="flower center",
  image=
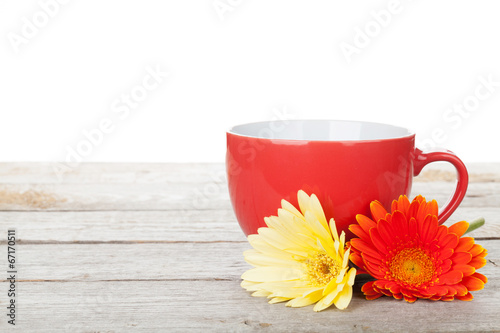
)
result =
(321, 268)
(412, 266)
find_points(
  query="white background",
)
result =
(237, 62)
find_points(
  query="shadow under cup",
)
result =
(347, 164)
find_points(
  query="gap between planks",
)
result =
(91, 242)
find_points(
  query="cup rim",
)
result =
(409, 132)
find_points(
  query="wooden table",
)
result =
(156, 247)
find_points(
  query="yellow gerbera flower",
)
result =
(300, 258)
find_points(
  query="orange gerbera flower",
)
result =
(411, 256)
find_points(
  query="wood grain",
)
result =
(165, 226)
(156, 247)
(153, 261)
(223, 306)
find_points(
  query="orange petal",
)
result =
(385, 231)
(481, 277)
(377, 241)
(446, 253)
(374, 270)
(449, 240)
(461, 289)
(410, 299)
(386, 292)
(465, 244)
(422, 212)
(403, 204)
(467, 297)
(451, 277)
(372, 297)
(441, 233)
(465, 269)
(432, 208)
(398, 296)
(356, 260)
(378, 211)
(473, 283)
(380, 284)
(413, 209)
(476, 249)
(461, 258)
(358, 231)
(477, 262)
(364, 247)
(419, 198)
(368, 290)
(428, 229)
(399, 224)
(412, 228)
(394, 287)
(483, 253)
(436, 291)
(459, 228)
(446, 265)
(394, 206)
(365, 222)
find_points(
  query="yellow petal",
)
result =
(346, 258)
(303, 199)
(261, 293)
(342, 241)
(292, 292)
(291, 209)
(328, 249)
(330, 287)
(318, 229)
(257, 259)
(265, 274)
(278, 300)
(247, 284)
(317, 210)
(343, 298)
(309, 242)
(351, 276)
(287, 230)
(273, 237)
(336, 246)
(341, 277)
(294, 223)
(333, 229)
(305, 300)
(323, 304)
(277, 286)
(259, 244)
(327, 300)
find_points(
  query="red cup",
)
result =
(347, 164)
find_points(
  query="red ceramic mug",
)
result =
(347, 164)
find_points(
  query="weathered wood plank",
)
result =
(112, 173)
(94, 262)
(160, 250)
(173, 225)
(47, 173)
(94, 186)
(106, 226)
(479, 195)
(70, 197)
(223, 306)
(160, 261)
(121, 196)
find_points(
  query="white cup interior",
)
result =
(320, 130)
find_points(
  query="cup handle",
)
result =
(421, 159)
